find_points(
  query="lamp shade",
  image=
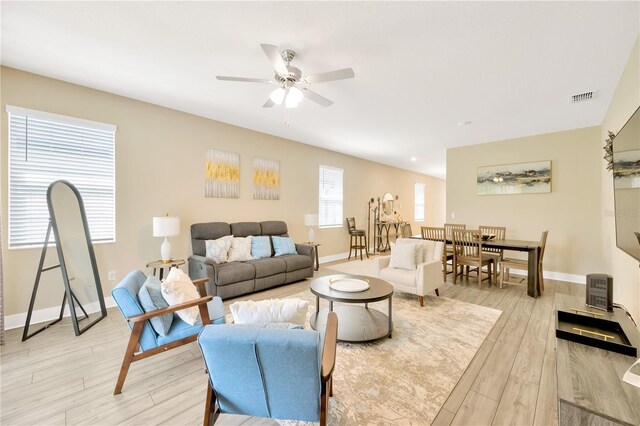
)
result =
(310, 219)
(166, 226)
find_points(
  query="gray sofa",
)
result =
(233, 279)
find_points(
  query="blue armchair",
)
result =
(144, 341)
(265, 372)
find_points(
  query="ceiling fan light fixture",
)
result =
(277, 96)
(294, 97)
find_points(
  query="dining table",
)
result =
(532, 248)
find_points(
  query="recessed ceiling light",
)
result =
(413, 159)
(464, 123)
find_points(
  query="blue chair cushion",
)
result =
(260, 247)
(179, 330)
(150, 297)
(249, 376)
(283, 245)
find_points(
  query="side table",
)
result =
(315, 248)
(159, 264)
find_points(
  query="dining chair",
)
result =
(467, 251)
(438, 234)
(507, 264)
(449, 227)
(497, 254)
(357, 239)
(405, 230)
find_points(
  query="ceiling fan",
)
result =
(292, 84)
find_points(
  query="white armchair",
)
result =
(425, 278)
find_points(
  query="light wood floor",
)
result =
(57, 378)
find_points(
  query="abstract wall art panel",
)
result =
(523, 178)
(266, 179)
(222, 174)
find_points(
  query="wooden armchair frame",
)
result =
(212, 412)
(133, 346)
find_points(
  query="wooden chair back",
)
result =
(466, 246)
(432, 233)
(499, 231)
(449, 227)
(351, 224)
(405, 230)
(543, 243)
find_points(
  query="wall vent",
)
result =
(583, 97)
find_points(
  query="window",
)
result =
(419, 203)
(330, 211)
(47, 147)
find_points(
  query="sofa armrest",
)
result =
(202, 259)
(305, 249)
(381, 263)
(429, 276)
(202, 267)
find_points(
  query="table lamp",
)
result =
(166, 226)
(310, 220)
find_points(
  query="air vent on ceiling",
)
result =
(583, 97)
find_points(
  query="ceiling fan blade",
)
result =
(244, 79)
(268, 104)
(275, 57)
(330, 76)
(319, 99)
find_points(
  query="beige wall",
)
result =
(625, 271)
(159, 169)
(571, 212)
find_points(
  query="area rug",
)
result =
(406, 379)
(356, 267)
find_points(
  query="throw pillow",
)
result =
(260, 247)
(240, 249)
(268, 311)
(218, 250)
(283, 245)
(150, 297)
(403, 256)
(177, 288)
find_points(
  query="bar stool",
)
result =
(357, 238)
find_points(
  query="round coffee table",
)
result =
(355, 323)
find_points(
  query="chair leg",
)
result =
(361, 245)
(350, 245)
(209, 407)
(501, 280)
(437, 292)
(421, 300)
(128, 355)
(366, 247)
(324, 402)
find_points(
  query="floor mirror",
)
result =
(69, 231)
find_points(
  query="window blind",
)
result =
(47, 147)
(419, 202)
(330, 205)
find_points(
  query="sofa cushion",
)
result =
(200, 232)
(296, 261)
(244, 229)
(229, 273)
(272, 310)
(240, 249)
(260, 246)
(150, 296)
(269, 266)
(274, 227)
(403, 256)
(283, 245)
(404, 277)
(218, 250)
(178, 288)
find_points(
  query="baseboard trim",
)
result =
(333, 257)
(49, 314)
(559, 276)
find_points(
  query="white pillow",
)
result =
(240, 249)
(272, 310)
(403, 256)
(218, 250)
(420, 249)
(178, 288)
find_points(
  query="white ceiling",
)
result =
(421, 67)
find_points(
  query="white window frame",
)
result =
(419, 205)
(323, 198)
(100, 135)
